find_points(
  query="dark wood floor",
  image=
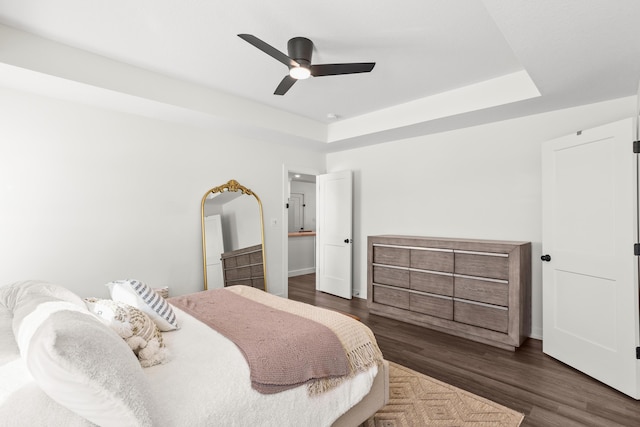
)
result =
(548, 392)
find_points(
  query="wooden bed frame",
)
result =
(370, 404)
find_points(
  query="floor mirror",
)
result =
(233, 249)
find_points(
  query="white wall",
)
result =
(89, 195)
(482, 182)
(302, 255)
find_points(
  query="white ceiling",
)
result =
(440, 64)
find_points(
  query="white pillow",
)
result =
(21, 298)
(22, 401)
(134, 326)
(140, 295)
(86, 367)
(10, 295)
(75, 359)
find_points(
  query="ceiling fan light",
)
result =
(300, 73)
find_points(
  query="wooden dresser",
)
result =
(476, 289)
(244, 267)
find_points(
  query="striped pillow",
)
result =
(140, 295)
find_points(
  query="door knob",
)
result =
(347, 240)
(546, 258)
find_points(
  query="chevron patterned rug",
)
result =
(416, 400)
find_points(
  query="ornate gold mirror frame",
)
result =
(245, 265)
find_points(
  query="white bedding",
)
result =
(204, 383)
(22, 402)
(207, 379)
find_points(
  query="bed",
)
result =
(59, 365)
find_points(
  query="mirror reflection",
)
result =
(232, 237)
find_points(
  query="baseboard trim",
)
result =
(301, 272)
(536, 333)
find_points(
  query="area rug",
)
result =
(416, 400)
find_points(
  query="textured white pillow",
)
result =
(75, 359)
(11, 295)
(134, 326)
(138, 294)
(86, 367)
(21, 298)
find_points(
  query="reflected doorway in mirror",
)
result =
(215, 247)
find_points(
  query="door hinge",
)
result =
(636, 249)
(637, 352)
(636, 147)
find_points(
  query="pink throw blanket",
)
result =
(283, 350)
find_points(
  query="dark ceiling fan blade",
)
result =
(269, 50)
(285, 85)
(335, 69)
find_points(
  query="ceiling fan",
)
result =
(300, 50)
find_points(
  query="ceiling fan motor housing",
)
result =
(300, 50)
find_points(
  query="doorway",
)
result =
(299, 215)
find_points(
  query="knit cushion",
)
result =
(132, 325)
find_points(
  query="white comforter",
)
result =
(204, 383)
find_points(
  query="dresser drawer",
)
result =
(433, 306)
(395, 298)
(391, 276)
(257, 270)
(494, 318)
(244, 259)
(481, 290)
(258, 282)
(391, 256)
(247, 272)
(238, 273)
(432, 283)
(494, 267)
(255, 257)
(432, 260)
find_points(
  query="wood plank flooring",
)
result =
(548, 392)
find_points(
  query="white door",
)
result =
(590, 283)
(296, 221)
(333, 240)
(215, 247)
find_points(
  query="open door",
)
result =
(590, 273)
(334, 233)
(215, 247)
